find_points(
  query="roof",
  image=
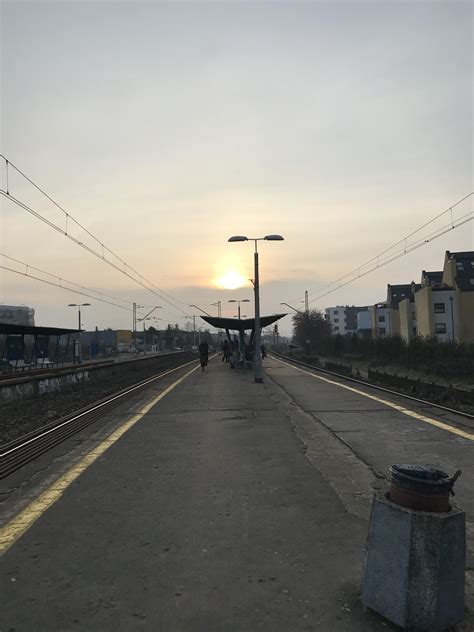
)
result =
(26, 330)
(467, 254)
(464, 269)
(241, 324)
(432, 277)
(398, 293)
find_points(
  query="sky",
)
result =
(166, 127)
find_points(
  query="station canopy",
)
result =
(7, 329)
(242, 324)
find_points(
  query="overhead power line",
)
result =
(453, 217)
(99, 249)
(53, 279)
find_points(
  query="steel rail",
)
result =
(21, 451)
(370, 385)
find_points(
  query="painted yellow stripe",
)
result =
(401, 409)
(14, 529)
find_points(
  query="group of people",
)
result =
(227, 350)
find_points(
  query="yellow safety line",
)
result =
(18, 525)
(401, 409)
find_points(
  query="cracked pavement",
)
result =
(229, 506)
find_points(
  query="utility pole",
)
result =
(308, 329)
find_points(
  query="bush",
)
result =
(444, 359)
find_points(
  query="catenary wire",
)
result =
(387, 255)
(137, 277)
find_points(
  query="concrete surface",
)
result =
(230, 507)
(414, 570)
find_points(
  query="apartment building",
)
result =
(443, 303)
(343, 319)
(381, 320)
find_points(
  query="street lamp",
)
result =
(79, 305)
(219, 308)
(144, 327)
(256, 288)
(306, 315)
(77, 349)
(243, 300)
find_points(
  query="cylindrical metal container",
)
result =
(421, 488)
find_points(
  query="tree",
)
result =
(312, 325)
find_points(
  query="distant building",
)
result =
(336, 319)
(364, 323)
(445, 302)
(343, 319)
(381, 320)
(17, 315)
(107, 341)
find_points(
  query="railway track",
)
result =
(425, 402)
(19, 452)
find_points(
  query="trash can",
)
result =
(421, 488)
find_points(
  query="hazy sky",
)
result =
(167, 127)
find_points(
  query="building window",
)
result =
(439, 308)
(336, 320)
(336, 328)
(440, 328)
(381, 330)
(413, 315)
(336, 311)
(471, 281)
(414, 331)
(459, 265)
(381, 319)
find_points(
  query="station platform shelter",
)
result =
(24, 347)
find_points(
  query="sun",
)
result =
(231, 280)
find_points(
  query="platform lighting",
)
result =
(256, 288)
(218, 304)
(79, 305)
(77, 349)
(243, 300)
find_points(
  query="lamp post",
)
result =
(306, 315)
(77, 353)
(139, 320)
(144, 327)
(193, 317)
(219, 308)
(243, 300)
(256, 287)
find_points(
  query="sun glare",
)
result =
(231, 280)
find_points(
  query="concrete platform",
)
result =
(228, 507)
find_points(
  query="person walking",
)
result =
(225, 351)
(203, 354)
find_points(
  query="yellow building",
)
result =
(442, 305)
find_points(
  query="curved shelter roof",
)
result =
(242, 324)
(26, 330)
